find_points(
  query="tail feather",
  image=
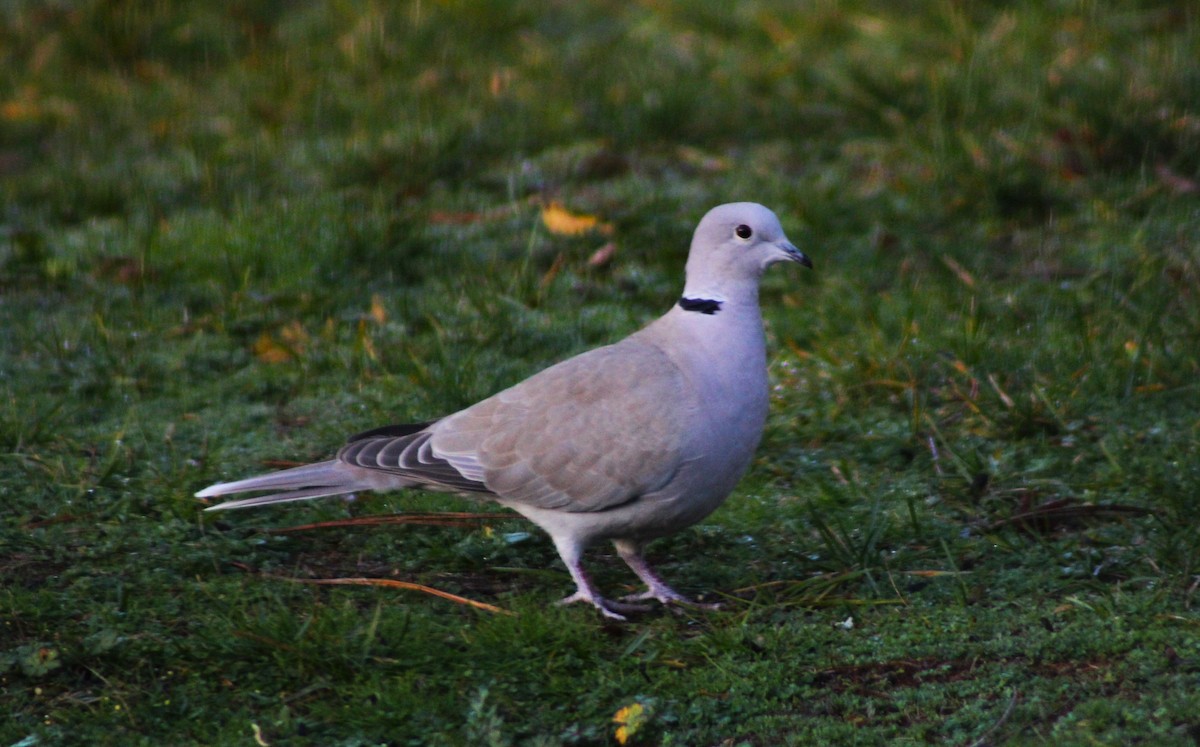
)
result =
(291, 495)
(296, 484)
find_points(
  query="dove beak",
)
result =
(792, 254)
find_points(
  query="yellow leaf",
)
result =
(558, 220)
(291, 341)
(268, 350)
(630, 721)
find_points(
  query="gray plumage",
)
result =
(625, 443)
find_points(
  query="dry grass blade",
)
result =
(1054, 514)
(393, 584)
(1008, 711)
(817, 591)
(439, 519)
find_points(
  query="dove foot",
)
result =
(585, 591)
(656, 588)
(610, 608)
(668, 596)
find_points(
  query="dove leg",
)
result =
(631, 552)
(571, 553)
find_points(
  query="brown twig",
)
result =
(393, 584)
(440, 519)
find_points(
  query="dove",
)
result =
(624, 443)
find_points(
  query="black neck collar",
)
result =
(702, 305)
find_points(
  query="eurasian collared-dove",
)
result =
(626, 443)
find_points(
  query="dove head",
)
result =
(731, 247)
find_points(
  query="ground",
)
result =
(233, 236)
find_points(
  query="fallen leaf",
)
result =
(291, 341)
(268, 350)
(630, 721)
(562, 222)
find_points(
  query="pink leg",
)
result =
(570, 553)
(656, 588)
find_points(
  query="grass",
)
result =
(231, 238)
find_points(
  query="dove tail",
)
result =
(296, 484)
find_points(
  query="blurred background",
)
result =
(232, 234)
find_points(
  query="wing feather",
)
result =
(401, 456)
(588, 434)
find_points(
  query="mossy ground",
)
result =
(233, 235)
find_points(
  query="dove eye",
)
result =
(743, 231)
